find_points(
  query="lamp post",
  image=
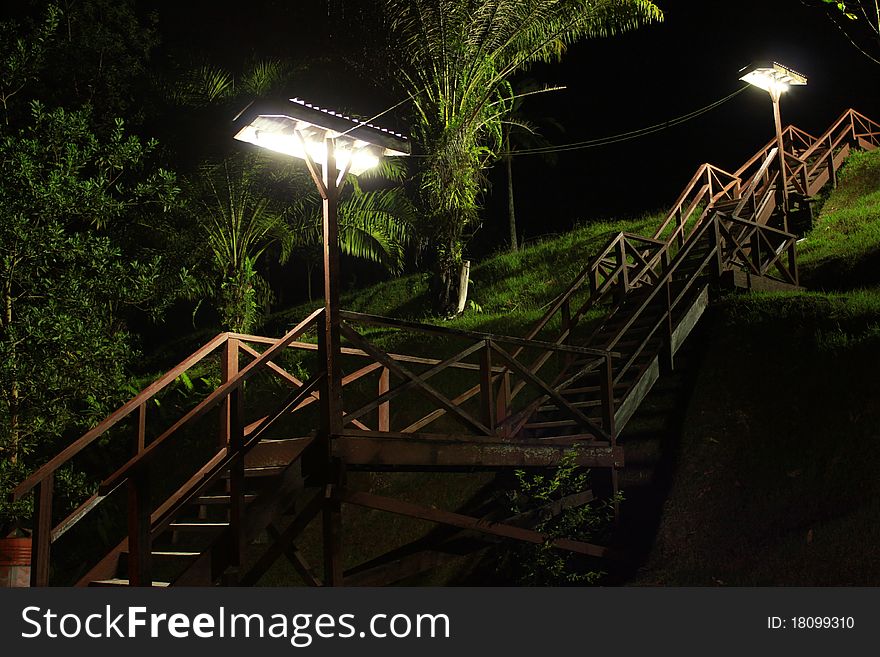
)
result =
(332, 145)
(775, 79)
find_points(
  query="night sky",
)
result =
(613, 85)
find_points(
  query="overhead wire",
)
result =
(590, 143)
(626, 136)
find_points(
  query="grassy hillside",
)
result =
(842, 250)
(776, 476)
(510, 290)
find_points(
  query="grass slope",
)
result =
(510, 290)
(776, 480)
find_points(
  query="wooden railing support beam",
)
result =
(41, 538)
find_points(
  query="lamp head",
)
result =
(773, 78)
(295, 127)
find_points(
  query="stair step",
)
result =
(590, 403)
(115, 581)
(574, 438)
(197, 526)
(266, 471)
(550, 424)
(166, 564)
(586, 390)
(221, 499)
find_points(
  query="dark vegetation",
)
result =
(775, 477)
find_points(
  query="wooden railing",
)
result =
(231, 447)
(237, 437)
(500, 373)
(722, 214)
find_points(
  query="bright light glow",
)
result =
(774, 78)
(297, 128)
(361, 154)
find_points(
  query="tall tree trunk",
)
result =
(511, 211)
(445, 282)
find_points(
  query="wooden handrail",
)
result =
(375, 320)
(117, 416)
(219, 394)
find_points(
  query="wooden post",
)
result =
(679, 227)
(502, 401)
(139, 547)
(385, 407)
(236, 477)
(331, 520)
(719, 256)
(624, 274)
(463, 280)
(668, 358)
(756, 252)
(41, 539)
(606, 383)
(487, 396)
(792, 262)
(783, 180)
(832, 172)
(229, 369)
(142, 428)
(566, 319)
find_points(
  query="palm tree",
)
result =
(456, 58)
(241, 207)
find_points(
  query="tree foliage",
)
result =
(64, 284)
(456, 58)
(859, 22)
(245, 205)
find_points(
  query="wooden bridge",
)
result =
(218, 493)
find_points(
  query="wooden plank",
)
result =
(633, 400)
(426, 389)
(687, 323)
(139, 544)
(42, 535)
(268, 453)
(296, 558)
(349, 351)
(278, 547)
(560, 401)
(416, 381)
(414, 454)
(384, 412)
(399, 507)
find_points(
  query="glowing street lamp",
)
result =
(775, 79)
(332, 145)
(302, 130)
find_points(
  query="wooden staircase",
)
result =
(277, 462)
